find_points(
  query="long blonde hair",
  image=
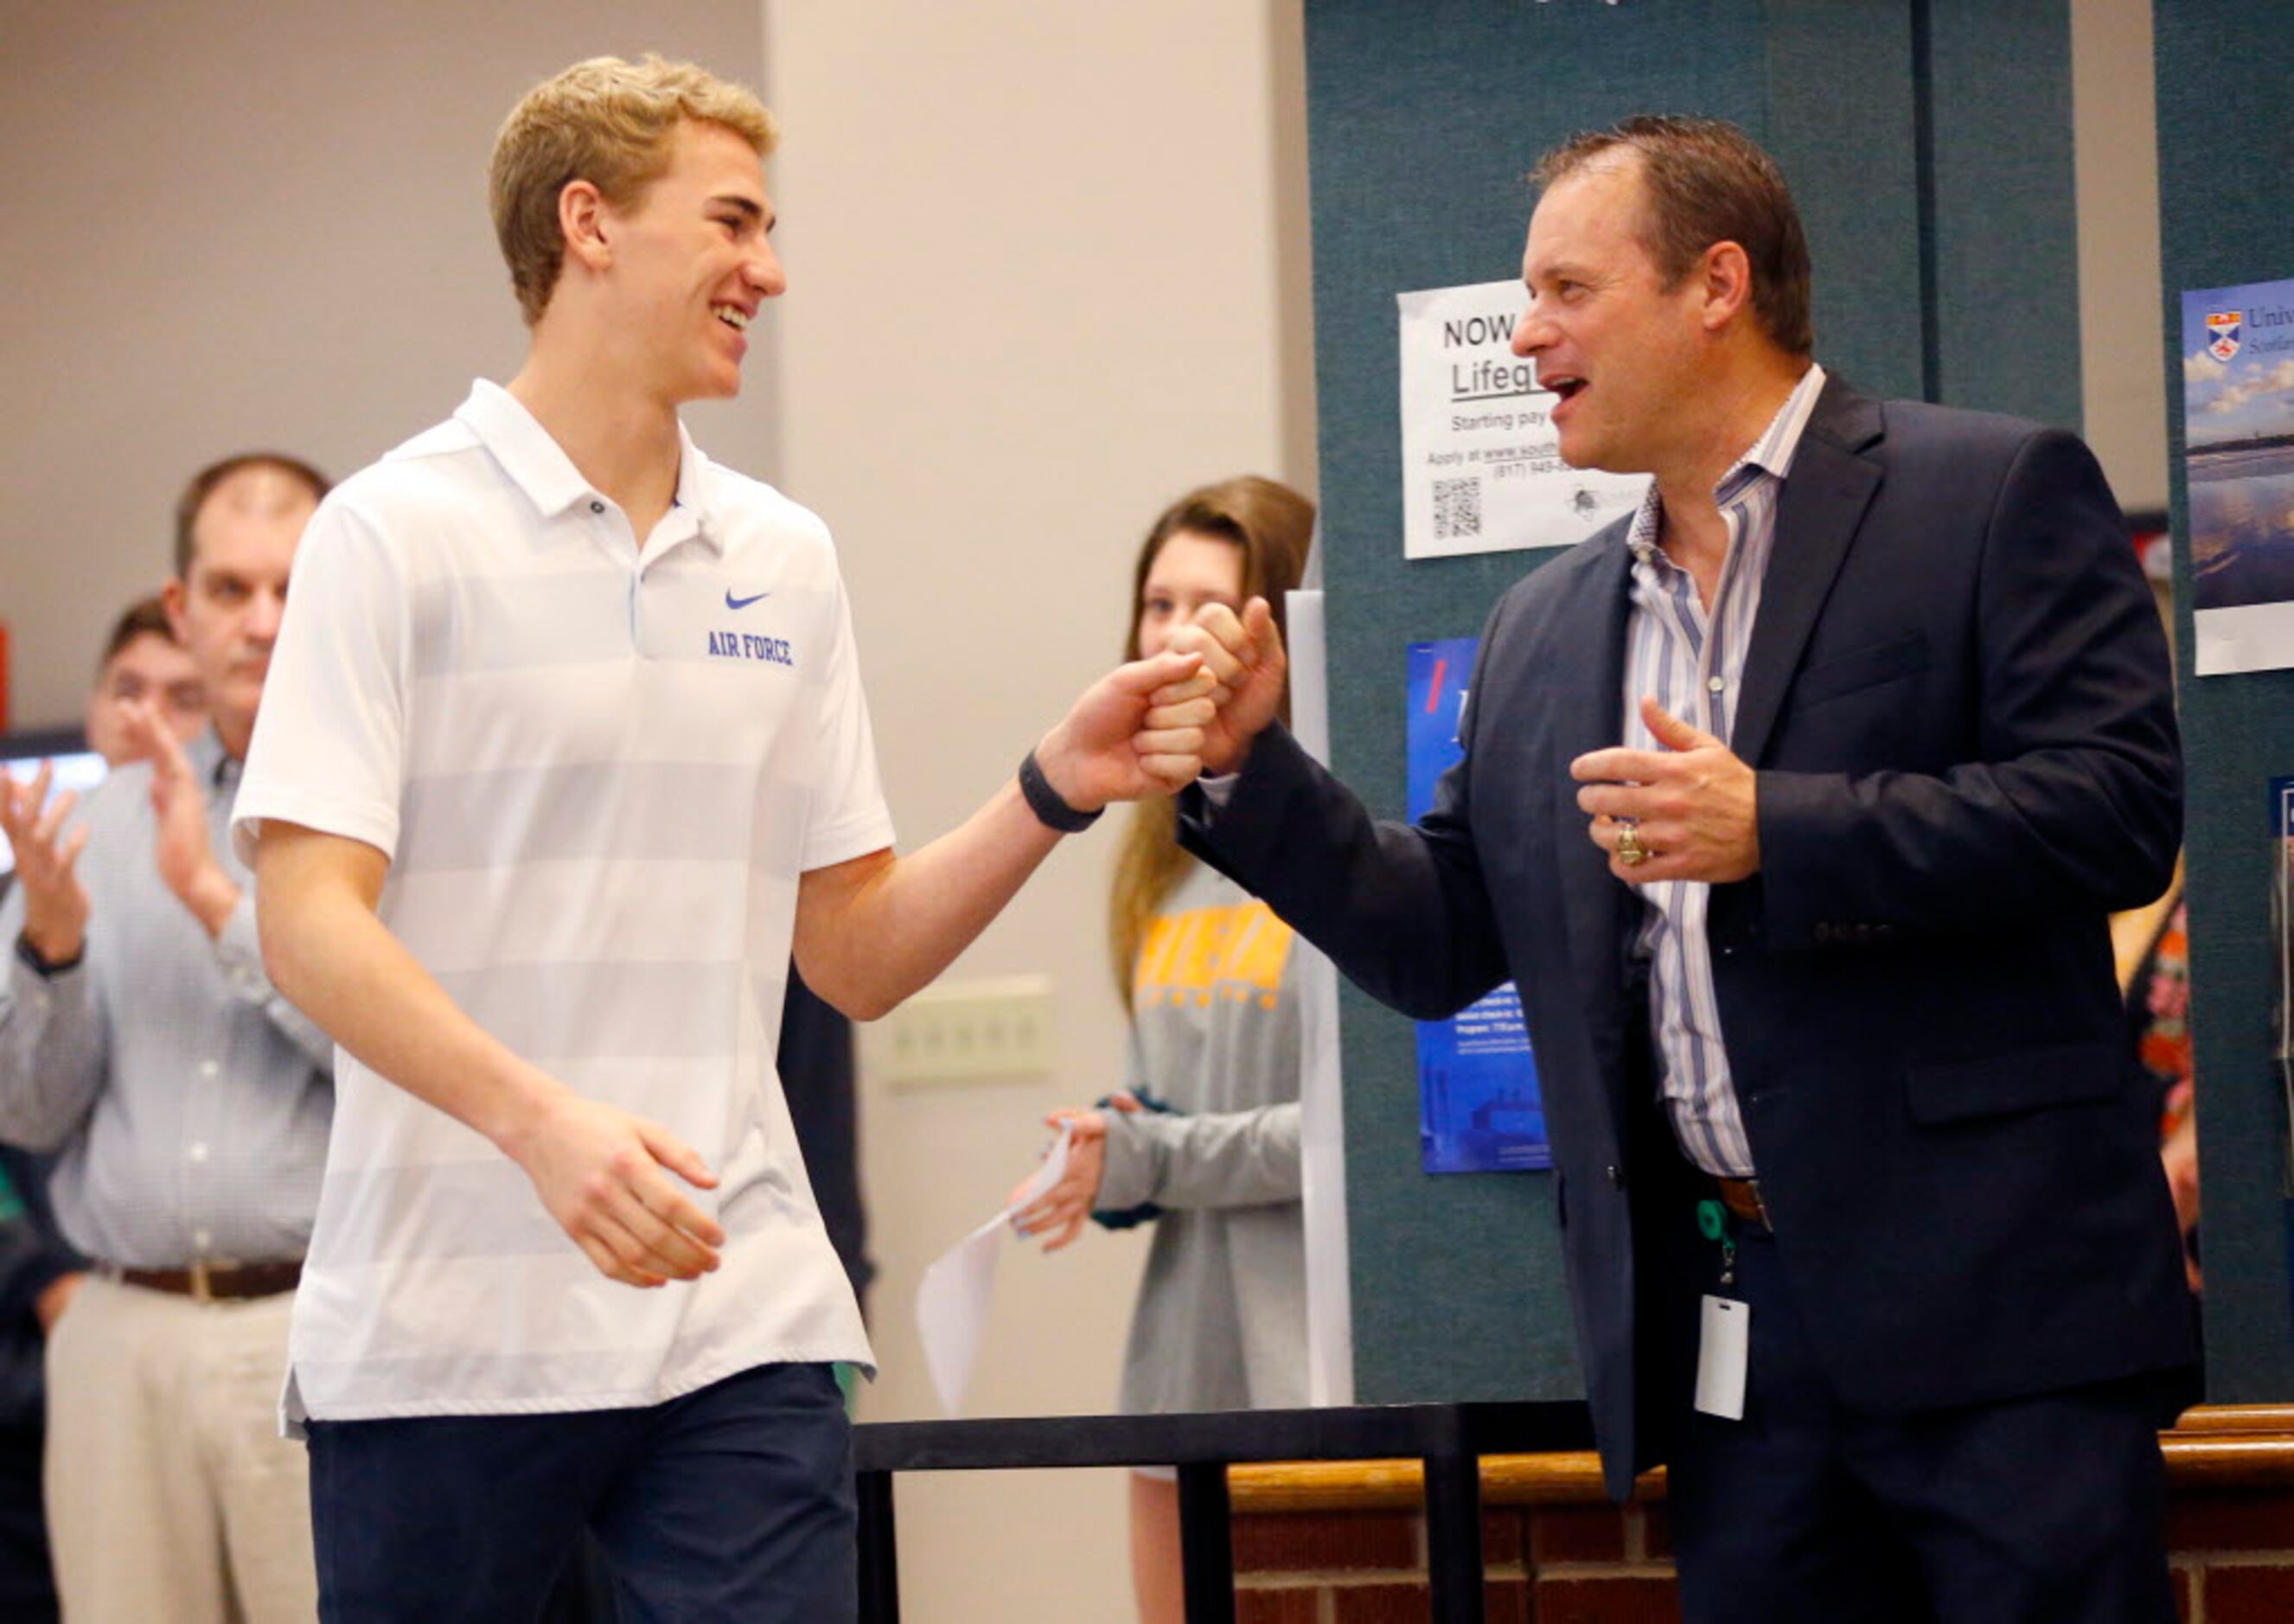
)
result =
(1273, 525)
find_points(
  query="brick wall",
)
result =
(1547, 1565)
(1333, 1550)
(2234, 1555)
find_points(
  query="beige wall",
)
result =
(1035, 291)
(253, 224)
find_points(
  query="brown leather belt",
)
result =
(205, 1282)
(1741, 1198)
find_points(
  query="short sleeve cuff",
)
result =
(365, 825)
(842, 841)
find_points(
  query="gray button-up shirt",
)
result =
(189, 1103)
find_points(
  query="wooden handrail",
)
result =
(2221, 1446)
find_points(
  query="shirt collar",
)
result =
(1770, 453)
(539, 466)
(1779, 442)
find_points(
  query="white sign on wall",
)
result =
(1481, 469)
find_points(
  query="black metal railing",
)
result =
(1449, 1438)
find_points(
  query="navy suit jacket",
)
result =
(1959, 702)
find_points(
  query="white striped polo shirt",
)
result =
(599, 771)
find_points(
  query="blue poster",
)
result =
(1478, 1107)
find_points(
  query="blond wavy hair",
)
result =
(611, 122)
(1273, 525)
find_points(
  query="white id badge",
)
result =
(1723, 1352)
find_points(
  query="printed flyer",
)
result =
(1481, 467)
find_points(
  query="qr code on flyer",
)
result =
(1457, 509)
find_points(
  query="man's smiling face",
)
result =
(693, 261)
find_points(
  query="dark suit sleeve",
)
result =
(2074, 798)
(1399, 907)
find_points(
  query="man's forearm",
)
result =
(1213, 1159)
(51, 1045)
(872, 932)
(1401, 909)
(211, 897)
(238, 954)
(337, 961)
(609, 1179)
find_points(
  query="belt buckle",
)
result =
(202, 1291)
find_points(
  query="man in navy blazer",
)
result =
(1796, 804)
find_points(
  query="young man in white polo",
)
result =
(567, 748)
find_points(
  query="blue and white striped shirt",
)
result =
(189, 1102)
(1692, 659)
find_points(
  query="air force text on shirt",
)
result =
(749, 646)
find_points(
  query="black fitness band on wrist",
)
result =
(1051, 811)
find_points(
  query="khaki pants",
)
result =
(171, 1495)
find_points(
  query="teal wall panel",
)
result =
(2004, 250)
(2225, 138)
(1423, 119)
(1852, 161)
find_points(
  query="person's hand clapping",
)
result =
(183, 849)
(55, 902)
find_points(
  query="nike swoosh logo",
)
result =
(731, 602)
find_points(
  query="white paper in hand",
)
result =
(952, 1301)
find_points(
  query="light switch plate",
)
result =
(965, 1031)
